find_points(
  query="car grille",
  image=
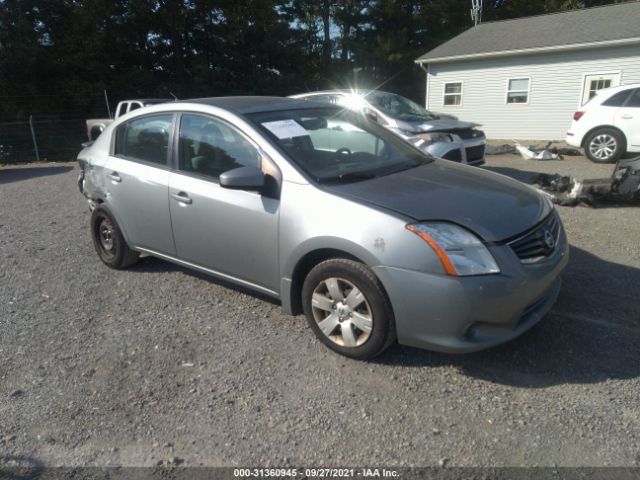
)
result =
(540, 242)
(475, 153)
(454, 155)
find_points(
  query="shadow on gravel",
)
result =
(8, 175)
(153, 264)
(591, 335)
(522, 175)
(20, 468)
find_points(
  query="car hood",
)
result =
(439, 125)
(493, 206)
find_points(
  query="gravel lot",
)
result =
(160, 364)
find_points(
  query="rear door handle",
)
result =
(627, 117)
(181, 197)
(115, 177)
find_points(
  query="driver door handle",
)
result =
(181, 197)
(115, 177)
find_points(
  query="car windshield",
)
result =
(336, 145)
(399, 107)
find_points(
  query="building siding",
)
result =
(555, 89)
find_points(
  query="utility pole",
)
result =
(476, 11)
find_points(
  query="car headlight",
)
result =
(460, 251)
(424, 139)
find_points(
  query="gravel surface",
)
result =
(160, 364)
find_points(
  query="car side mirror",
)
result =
(243, 178)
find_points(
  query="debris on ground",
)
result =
(622, 187)
(16, 393)
(499, 149)
(529, 154)
(532, 152)
(568, 151)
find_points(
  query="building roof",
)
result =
(617, 24)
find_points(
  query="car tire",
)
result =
(341, 294)
(604, 145)
(109, 242)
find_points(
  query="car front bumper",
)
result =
(465, 314)
(470, 151)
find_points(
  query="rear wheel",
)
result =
(604, 145)
(347, 308)
(109, 242)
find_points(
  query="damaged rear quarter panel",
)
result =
(93, 160)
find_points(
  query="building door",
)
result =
(598, 81)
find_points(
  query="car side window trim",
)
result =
(168, 159)
(271, 168)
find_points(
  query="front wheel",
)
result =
(109, 242)
(347, 308)
(604, 145)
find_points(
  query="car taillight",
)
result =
(577, 116)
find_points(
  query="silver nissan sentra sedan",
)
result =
(335, 216)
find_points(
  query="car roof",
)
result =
(252, 104)
(150, 100)
(342, 91)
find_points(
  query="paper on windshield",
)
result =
(286, 128)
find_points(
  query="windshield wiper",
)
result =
(360, 176)
(348, 177)
(400, 168)
(412, 116)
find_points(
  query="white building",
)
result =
(524, 78)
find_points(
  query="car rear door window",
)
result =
(616, 100)
(634, 99)
(145, 139)
(210, 147)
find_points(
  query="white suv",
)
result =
(608, 125)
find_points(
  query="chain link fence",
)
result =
(46, 127)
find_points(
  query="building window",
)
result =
(593, 82)
(518, 90)
(452, 93)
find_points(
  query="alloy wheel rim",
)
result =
(342, 312)
(105, 235)
(603, 146)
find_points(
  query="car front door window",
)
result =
(210, 147)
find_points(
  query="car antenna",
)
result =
(174, 97)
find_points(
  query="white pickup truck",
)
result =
(95, 126)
